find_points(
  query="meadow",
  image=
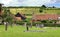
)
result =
(18, 31)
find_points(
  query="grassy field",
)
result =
(35, 10)
(24, 10)
(18, 31)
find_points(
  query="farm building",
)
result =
(46, 17)
(20, 16)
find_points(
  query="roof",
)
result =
(46, 17)
(21, 16)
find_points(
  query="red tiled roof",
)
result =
(46, 17)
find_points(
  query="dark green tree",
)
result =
(40, 11)
(7, 18)
(53, 7)
(43, 6)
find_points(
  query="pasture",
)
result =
(18, 31)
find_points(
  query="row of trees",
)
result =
(43, 6)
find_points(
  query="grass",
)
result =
(18, 31)
(35, 10)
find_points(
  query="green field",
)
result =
(35, 10)
(18, 31)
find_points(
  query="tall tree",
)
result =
(25, 22)
(7, 18)
(43, 6)
(53, 7)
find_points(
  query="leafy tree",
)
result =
(26, 21)
(43, 6)
(40, 11)
(7, 16)
(53, 7)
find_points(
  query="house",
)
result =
(20, 16)
(46, 17)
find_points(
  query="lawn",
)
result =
(18, 31)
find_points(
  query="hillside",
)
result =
(29, 10)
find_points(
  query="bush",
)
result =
(40, 11)
(28, 23)
(34, 23)
(28, 14)
(44, 21)
(20, 22)
(51, 25)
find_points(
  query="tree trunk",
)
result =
(6, 26)
(31, 24)
(27, 29)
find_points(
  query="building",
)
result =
(46, 17)
(19, 16)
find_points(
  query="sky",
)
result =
(31, 2)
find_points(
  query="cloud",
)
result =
(35, 2)
(5, 1)
(57, 1)
(27, 2)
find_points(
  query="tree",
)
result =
(43, 6)
(7, 18)
(26, 22)
(53, 7)
(40, 11)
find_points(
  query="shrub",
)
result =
(40, 11)
(28, 14)
(20, 22)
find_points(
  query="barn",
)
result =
(20, 16)
(46, 17)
